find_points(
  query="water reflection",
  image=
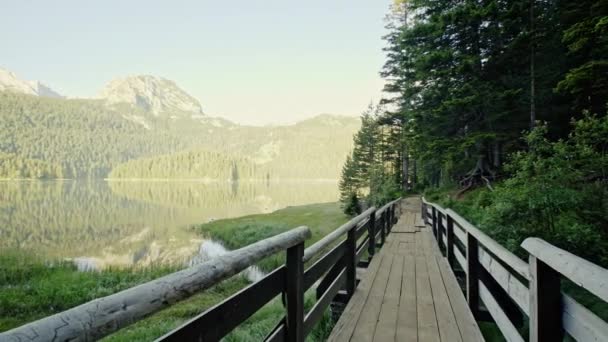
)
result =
(211, 249)
(98, 224)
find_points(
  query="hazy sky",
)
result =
(251, 61)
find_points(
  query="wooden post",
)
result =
(473, 274)
(371, 232)
(423, 213)
(382, 228)
(442, 248)
(350, 257)
(434, 220)
(450, 235)
(545, 303)
(295, 293)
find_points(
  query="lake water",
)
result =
(123, 223)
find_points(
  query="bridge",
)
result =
(409, 271)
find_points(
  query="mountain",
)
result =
(147, 127)
(152, 94)
(10, 82)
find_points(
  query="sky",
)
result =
(252, 61)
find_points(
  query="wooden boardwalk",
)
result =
(408, 292)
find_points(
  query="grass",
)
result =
(31, 288)
(235, 233)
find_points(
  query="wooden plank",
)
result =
(366, 325)
(507, 328)
(321, 266)
(407, 319)
(346, 324)
(464, 317)
(516, 290)
(316, 313)
(216, 322)
(545, 302)
(294, 293)
(102, 316)
(462, 261)
(582, 272)
(448, 330)
(494, 247)
(427, 319)
(581, 323)
(330, 238)
(387, 321)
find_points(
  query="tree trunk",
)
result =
(532, 71)
(406, 161)
(497, 161)
(414, 172)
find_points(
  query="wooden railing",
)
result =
(505, 289)
(333, 262)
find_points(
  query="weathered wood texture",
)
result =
(499, 280)
(408, 292)
(100, 317)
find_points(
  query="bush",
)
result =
(352, 207)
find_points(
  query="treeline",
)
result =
(466, 79)
(192, 165)
(503, 102)
(59, 138)
(73, 138)
(13, 166)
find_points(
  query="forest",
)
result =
(498, 110)
(47, 138)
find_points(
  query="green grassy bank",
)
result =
(32, 288)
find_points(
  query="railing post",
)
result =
(382, 227)
(351, 257)
(423, 213)
(473, 274)
(371, 232)
(450, 235)
(295, 293)
(434, 222)
(545, 303)
(442, 248)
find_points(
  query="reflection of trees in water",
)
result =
(132, 220)
(227, 196)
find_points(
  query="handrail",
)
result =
(490, 277)
(102, 316)
(334, 270)
(585, 274)
(336, 234)
(494, 247)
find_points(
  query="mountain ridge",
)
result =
(10, 82)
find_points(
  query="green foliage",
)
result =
(31, 289)
(374, 167)
(238, 232)
(351, 206)
(191, 165)
(60, 138)
(557, 192)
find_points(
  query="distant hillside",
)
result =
(11, 83)
(64, 138)
(191, 165)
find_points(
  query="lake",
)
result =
(124, 223)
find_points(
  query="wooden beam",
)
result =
(294, 289)
(545, 302)
(103, 316)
